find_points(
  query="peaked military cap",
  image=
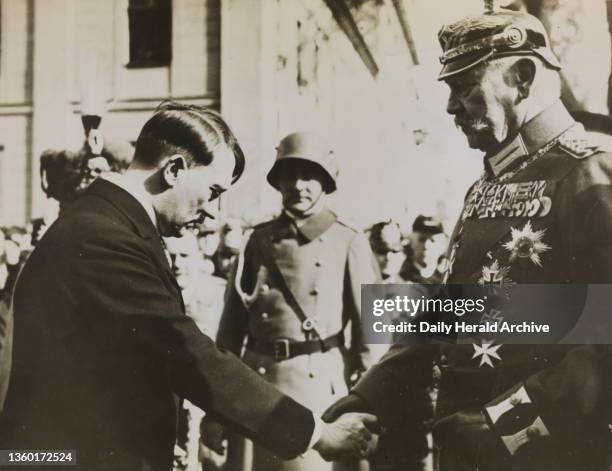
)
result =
(477, 39)
(427, 224)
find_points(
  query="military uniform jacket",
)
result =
(542, 213)
(323, 263)
(103, 349)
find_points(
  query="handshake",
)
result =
(352, 435)
(347, 432)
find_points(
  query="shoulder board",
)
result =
(577, 143)
(346, 222)
(263, 224)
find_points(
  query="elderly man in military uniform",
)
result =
(295, 293)
(540, 213)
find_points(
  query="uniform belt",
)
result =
(284, 349)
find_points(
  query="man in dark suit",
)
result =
(102, 345)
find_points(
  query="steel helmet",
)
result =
(306, 147)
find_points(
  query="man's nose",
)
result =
(180, 262)
(300, 183)
(454, 105)
(212, 210)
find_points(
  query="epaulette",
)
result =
(577, 143)
(346, 222)
(266, 223)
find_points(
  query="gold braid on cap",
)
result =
(489, 7)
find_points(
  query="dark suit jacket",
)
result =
(102, 349)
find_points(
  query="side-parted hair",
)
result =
(192, 131)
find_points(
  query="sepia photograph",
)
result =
(202, 202)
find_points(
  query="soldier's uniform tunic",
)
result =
(323, 262)
(542, 213)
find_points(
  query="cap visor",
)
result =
(461, 65)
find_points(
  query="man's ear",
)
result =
(524, 71)
(173, 168)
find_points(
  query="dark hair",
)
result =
(193, 130)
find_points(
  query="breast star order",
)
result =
(486, 352)
(527, 243)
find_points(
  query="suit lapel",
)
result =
(141, 224)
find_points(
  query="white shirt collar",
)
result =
(136, 191)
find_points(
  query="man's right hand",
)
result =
(349, 403)
(213, 435)
(351, 436)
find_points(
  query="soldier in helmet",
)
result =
(294, 296)
(541, 213)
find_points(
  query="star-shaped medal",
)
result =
(486, 352)
(526, 243)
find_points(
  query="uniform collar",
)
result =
(313, 226)
(534, 135)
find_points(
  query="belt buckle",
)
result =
(281, 349)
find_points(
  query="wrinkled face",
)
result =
(185, 258)
(193, 192)
(390, 262)
(301, 186)
(482, 102)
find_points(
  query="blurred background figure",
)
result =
(6, 322)
(11, 257)
(427, 243)
(387, 244)
(203, 297)
(202, 294)
(209, 238)
(65, 174)
(229, 246)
